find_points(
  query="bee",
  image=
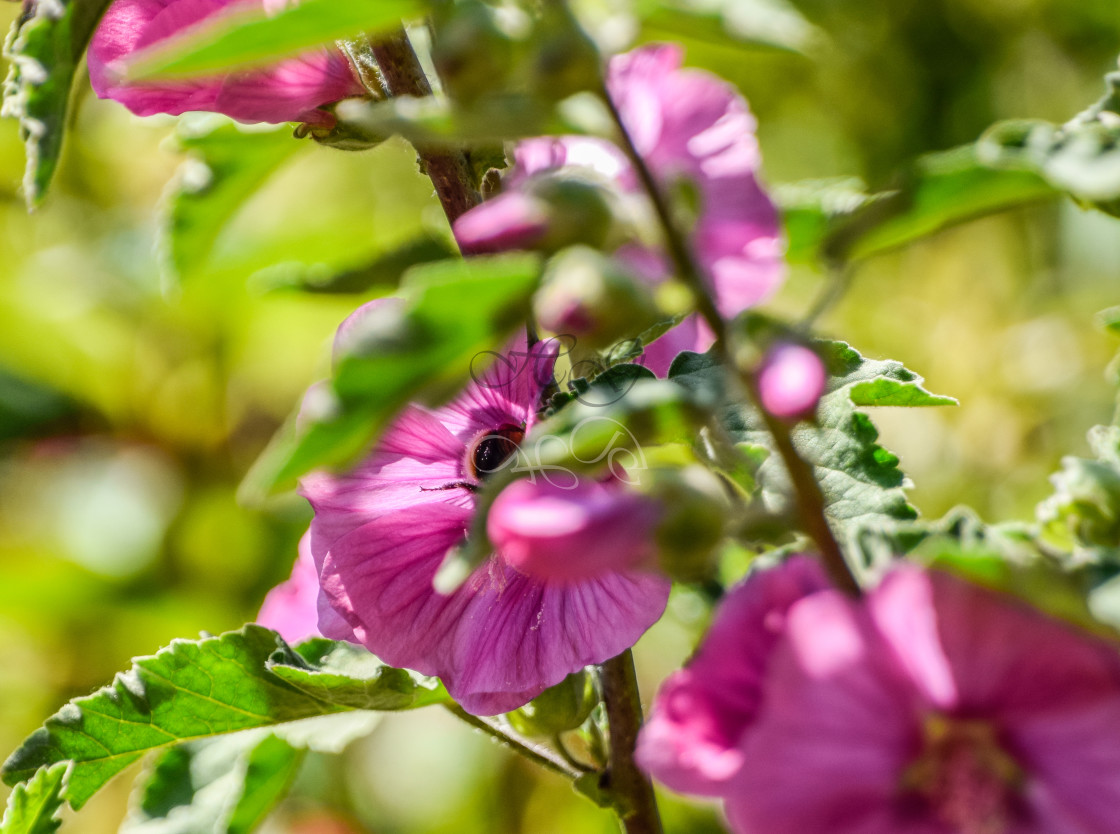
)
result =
(487, 454)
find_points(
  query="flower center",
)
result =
(490, 451)
(965, 778)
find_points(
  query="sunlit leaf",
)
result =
(34, 806)
(249, 36)
(45, 48)
(771, 23)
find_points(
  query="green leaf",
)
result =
(837, 222)
(422, 349)
(347, 675)
(1083, 514)
(189, 690)
(45, 49)
(33, 807)
(770, 23)
(859, 478)
(245, 37)
(224, 785)
(227, 165)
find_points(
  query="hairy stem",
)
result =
(538, 755)
(810, 499)
(625, 782)
(402, 75)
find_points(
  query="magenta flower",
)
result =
(686, 124)
(930, 707)
(791, 380)
(381, 531)
(292, 607)
(292, 90)
(553, 532)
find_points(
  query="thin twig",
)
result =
(535, 753)
(402, 75)
(810, 499)
(625, 782)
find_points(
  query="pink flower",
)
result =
(686, 124)
(591, 529)
(291, 90)
(930, 707)
(791, 381)
(381, 531)
(292, 607)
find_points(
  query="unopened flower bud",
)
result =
(692, 522)
(558, 709)
(569, 535)
(566, 60)
(508, 221)
(470, 51)
(791, 381)
(589, 296)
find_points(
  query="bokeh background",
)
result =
(130, 407)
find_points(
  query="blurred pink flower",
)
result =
(291, 90)
(687, 125)
(292, 607)
(591, 529)
(382, 530)
(791, 380)
(930, 707)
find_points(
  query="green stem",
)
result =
(402, 75)
(810, 499)
(631, 787)
(534, 753)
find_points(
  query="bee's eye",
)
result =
(491, 451)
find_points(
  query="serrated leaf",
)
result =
(33, 807)
(859, 478)
(249, 36)
(1083, 514)
(45, 50)
(344, 674)
(226, 167)
(421, 350)
(191, 689)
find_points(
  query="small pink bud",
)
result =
(509, 221)
(791, 381)
(553, 533)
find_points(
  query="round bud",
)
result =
(589, 296)
(695, 511)
(791, 380)
(558, 709)
(471, 54)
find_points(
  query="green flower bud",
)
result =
(565, 60)
(588, 295)
(695, 510)
(471, 53)
(580, 210)
(558, 709)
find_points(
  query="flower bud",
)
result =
(508, 221)
(569, 535)
(558, 709)
(566, 60)
(472, 55)
(791, 381)
(692, 522)
(589, 296)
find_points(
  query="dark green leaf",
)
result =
(246, 37)
(191, 689)
(226, 167)
(33, 807)
(344, 674)
(270, 769)
(422, 349)
(45, 49)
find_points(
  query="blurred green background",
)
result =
(131, 407)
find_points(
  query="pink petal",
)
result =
(291, 608)
(835, 730)
(692, 740)
(508, 221)
(499, 640)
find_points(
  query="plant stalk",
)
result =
(632, 788)
(536, 754)
(449, 170)
(810, 499)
